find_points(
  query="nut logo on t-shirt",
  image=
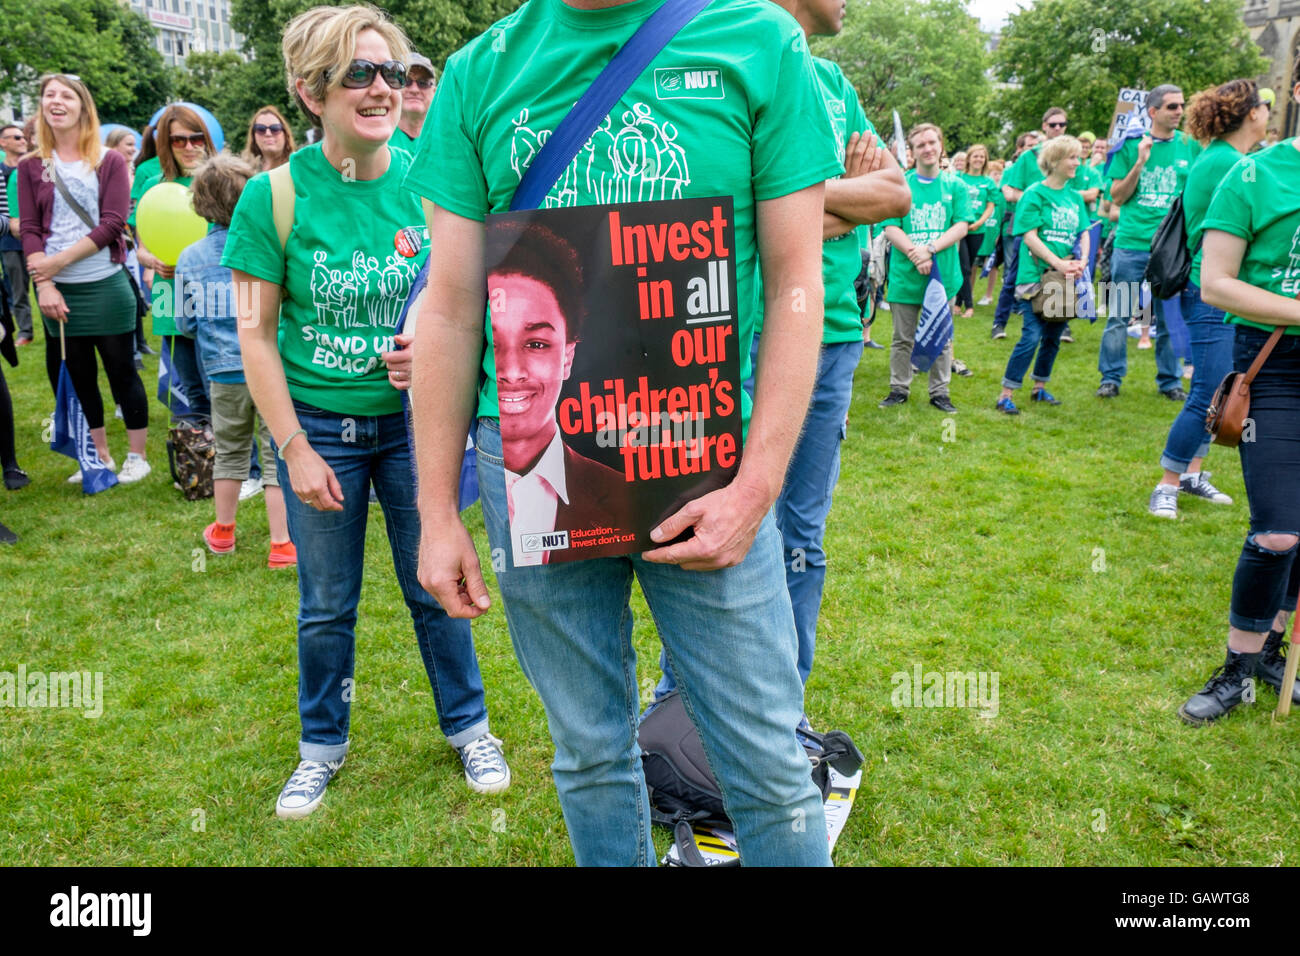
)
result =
(689, 83)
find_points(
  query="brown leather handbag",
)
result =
(1230, 407)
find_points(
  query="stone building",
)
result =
(1275, 27)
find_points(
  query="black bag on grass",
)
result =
(683, 790)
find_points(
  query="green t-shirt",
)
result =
(402, 141)
(146, 174)
(1161, 180)
(993, 228)
(1259, 200)
(162, 301)
(345, 280)
(982, 191)
(1087, 177)
(1059, 215)
(1207, 172)
(11, 192)
(730, 107)
(1024, 172)
(841, 256)
(936, 205)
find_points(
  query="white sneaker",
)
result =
(133, 469)
(485, 766)
(75, 478)
(985, 301)
(250, 487)
(305, 788)
(1164, 502)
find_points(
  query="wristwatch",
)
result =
(929, 247)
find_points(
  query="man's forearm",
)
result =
(869, 199)
(445, 361)
(1121, 190)
(1011, 194)
(791, 342)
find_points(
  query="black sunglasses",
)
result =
(265, 128)
(193, 139)
(422, 84)
(1060, 125)
(361, 73)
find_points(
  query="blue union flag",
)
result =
(934, 330)
(72, 438)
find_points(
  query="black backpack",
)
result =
(683, 790)
(1170, 264)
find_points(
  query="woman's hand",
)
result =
(1073, 268)
(150, 261)
(311, 479)
(399, 362)
(51, 302)
(44, 268)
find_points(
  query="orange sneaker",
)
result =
(283, 555)
(220, 537)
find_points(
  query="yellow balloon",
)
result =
(167, 222)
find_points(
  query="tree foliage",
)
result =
(104, 42)
(1078, 54)
(924, 58)
(437, 28)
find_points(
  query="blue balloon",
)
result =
(107, 128)
(210, 121)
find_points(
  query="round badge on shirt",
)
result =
(408, 242)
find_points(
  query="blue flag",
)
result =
(900, 144)
(934, 329)
(467, 492)
(1085, 303)
(72, 437)
(1134, 126)
(170, 390)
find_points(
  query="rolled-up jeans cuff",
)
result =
(1173, 464)
(322, 752)
(1257, 625)
(1008, 383)
(459, 740)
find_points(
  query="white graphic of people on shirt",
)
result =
(337, 295)
(639, 161)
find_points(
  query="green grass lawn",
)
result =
(970, 542)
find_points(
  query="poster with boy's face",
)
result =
(617, 369)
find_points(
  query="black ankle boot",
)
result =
(1223, 691)
(1272, 665)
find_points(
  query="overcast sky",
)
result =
(993, 13)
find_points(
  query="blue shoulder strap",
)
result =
(588, 113)
(601, 97)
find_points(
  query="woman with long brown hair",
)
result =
(74, 196)
(183, 143)
(270, 141)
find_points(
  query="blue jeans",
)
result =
(1211, 341)
(805, 498)
(1127, 267)
(1035, 335)
(188, 369)
(331, 546)
(729, 635)
(1267, 581)
(1007, 297)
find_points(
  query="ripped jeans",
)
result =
(1267, 581)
